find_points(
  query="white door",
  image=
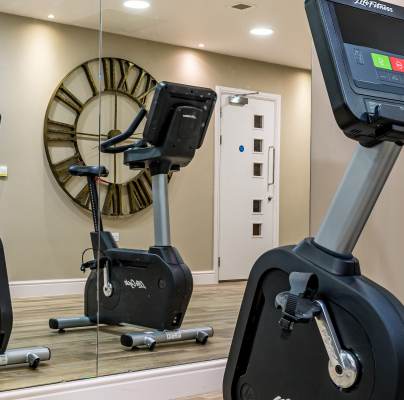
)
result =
(248, 188)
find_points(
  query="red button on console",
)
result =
(397, 64)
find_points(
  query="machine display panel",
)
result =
(374, 47)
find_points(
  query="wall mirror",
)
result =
(223, 212)
(48, 83)
(141, 255)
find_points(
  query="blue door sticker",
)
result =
(242, 149)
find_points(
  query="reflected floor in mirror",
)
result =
(74, 352)
(212, 396)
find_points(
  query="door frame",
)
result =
(277, 100)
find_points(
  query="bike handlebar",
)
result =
(106, 147)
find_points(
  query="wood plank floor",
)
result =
(212, 396)
(74, 353)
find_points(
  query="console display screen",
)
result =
(374, 46)
(374, 30)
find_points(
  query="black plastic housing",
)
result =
(366, 113)
(264, 364)
(334, 263)
(6, 310)
(176, 127)
(167, 98)
(151, 289)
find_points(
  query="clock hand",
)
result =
(89, 135)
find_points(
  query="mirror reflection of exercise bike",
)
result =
(150, 289)
(311, 327)
(31, 356)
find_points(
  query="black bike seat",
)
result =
(88, 170)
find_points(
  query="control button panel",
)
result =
(389, 69)
(397, 64)
(359, 58)
(371, 68)
(389, 76)
(381, 61)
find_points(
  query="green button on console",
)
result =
(381, 61)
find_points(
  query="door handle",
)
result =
(271, 168)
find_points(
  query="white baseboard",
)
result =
(158, 384)
(51, 287)
(60, 287)
(205, 278)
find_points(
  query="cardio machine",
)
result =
(150, 288)
(31, 356)
(311, 327)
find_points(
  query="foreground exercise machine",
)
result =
(31, 356)
(151, 288)
(310, 326)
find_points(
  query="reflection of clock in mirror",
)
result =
(71, 133)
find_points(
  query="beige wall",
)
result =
(43, 231)
(380, 246)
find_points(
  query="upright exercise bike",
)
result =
(311, 327)
(151, 288)
(31, 356)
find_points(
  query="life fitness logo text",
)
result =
(135, 284)
(374, 4)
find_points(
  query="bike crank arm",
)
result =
(343, 366)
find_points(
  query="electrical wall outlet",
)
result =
(116, 236)
(3, 171)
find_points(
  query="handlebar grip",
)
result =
(105, 146)
(121, 149)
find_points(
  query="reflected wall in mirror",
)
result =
(263, 87)
(71, 132)
(39, 228)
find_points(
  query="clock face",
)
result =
(83, 111)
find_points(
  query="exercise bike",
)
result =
(32, 355)
(311, 327)
(151, 288)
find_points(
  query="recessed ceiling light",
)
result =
(51, 16)
(137, 4)
(261, 31)
(241, 6)
(201, 45)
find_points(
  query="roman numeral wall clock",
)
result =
(71, 132)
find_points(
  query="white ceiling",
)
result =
(190, 22)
